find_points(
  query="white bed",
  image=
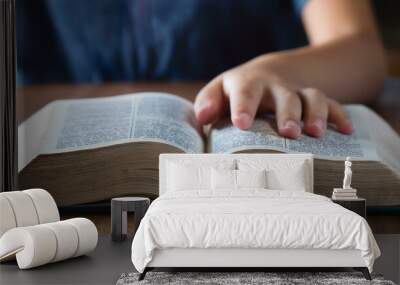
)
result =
(248, 227)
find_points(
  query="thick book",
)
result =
(344, 197)
(344, 194)
(87, 150)
(344, 191)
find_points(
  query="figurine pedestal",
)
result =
(344, 189)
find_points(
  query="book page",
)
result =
(89, 123)
(92, 123)
(334, 145)
(167, 119)
(381, 134)
(224, 138)
(31, 134)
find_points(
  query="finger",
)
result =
(244, 100)
(209, 102)
(288, 111)
(338, 116)
(315, 111)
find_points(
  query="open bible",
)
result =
(88, 150)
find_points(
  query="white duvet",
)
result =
(250, 219)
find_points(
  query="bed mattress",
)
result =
(250, 219)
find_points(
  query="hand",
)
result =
(261, 85)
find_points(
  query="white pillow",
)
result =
(187, 175)
(235, 179)
(251, 178)
(223, 179)
(293, 179)
(288, 175)
(183, 178)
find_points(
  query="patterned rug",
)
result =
(268, 278)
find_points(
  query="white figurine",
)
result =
(347, 174)
(347, 192)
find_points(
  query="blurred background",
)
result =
(387, 13)
(58, 40)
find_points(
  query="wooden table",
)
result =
(32, 98)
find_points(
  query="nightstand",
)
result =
(358, 205)
(119, 219)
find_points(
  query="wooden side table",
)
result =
(358, 206)
(119, 218)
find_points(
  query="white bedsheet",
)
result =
(250, 219)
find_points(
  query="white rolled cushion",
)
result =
(67, 239)
(23, 208)
(251, 178)
(87, 235)
(45, 205)
(40, 244)
(281, 175)
(33, 246)
(223, 179)
(7, 218)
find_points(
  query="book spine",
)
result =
(345, 191)
(8, 124)
(338, 197)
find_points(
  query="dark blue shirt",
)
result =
(123, 40)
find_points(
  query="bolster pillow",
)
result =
(40, 244)
(26, 208)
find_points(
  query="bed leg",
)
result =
(142, 275)
(364, 271)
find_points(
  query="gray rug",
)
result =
(232, 278)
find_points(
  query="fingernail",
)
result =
(242, 120)
(319, 126)
(348, 127)
(293, 126)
